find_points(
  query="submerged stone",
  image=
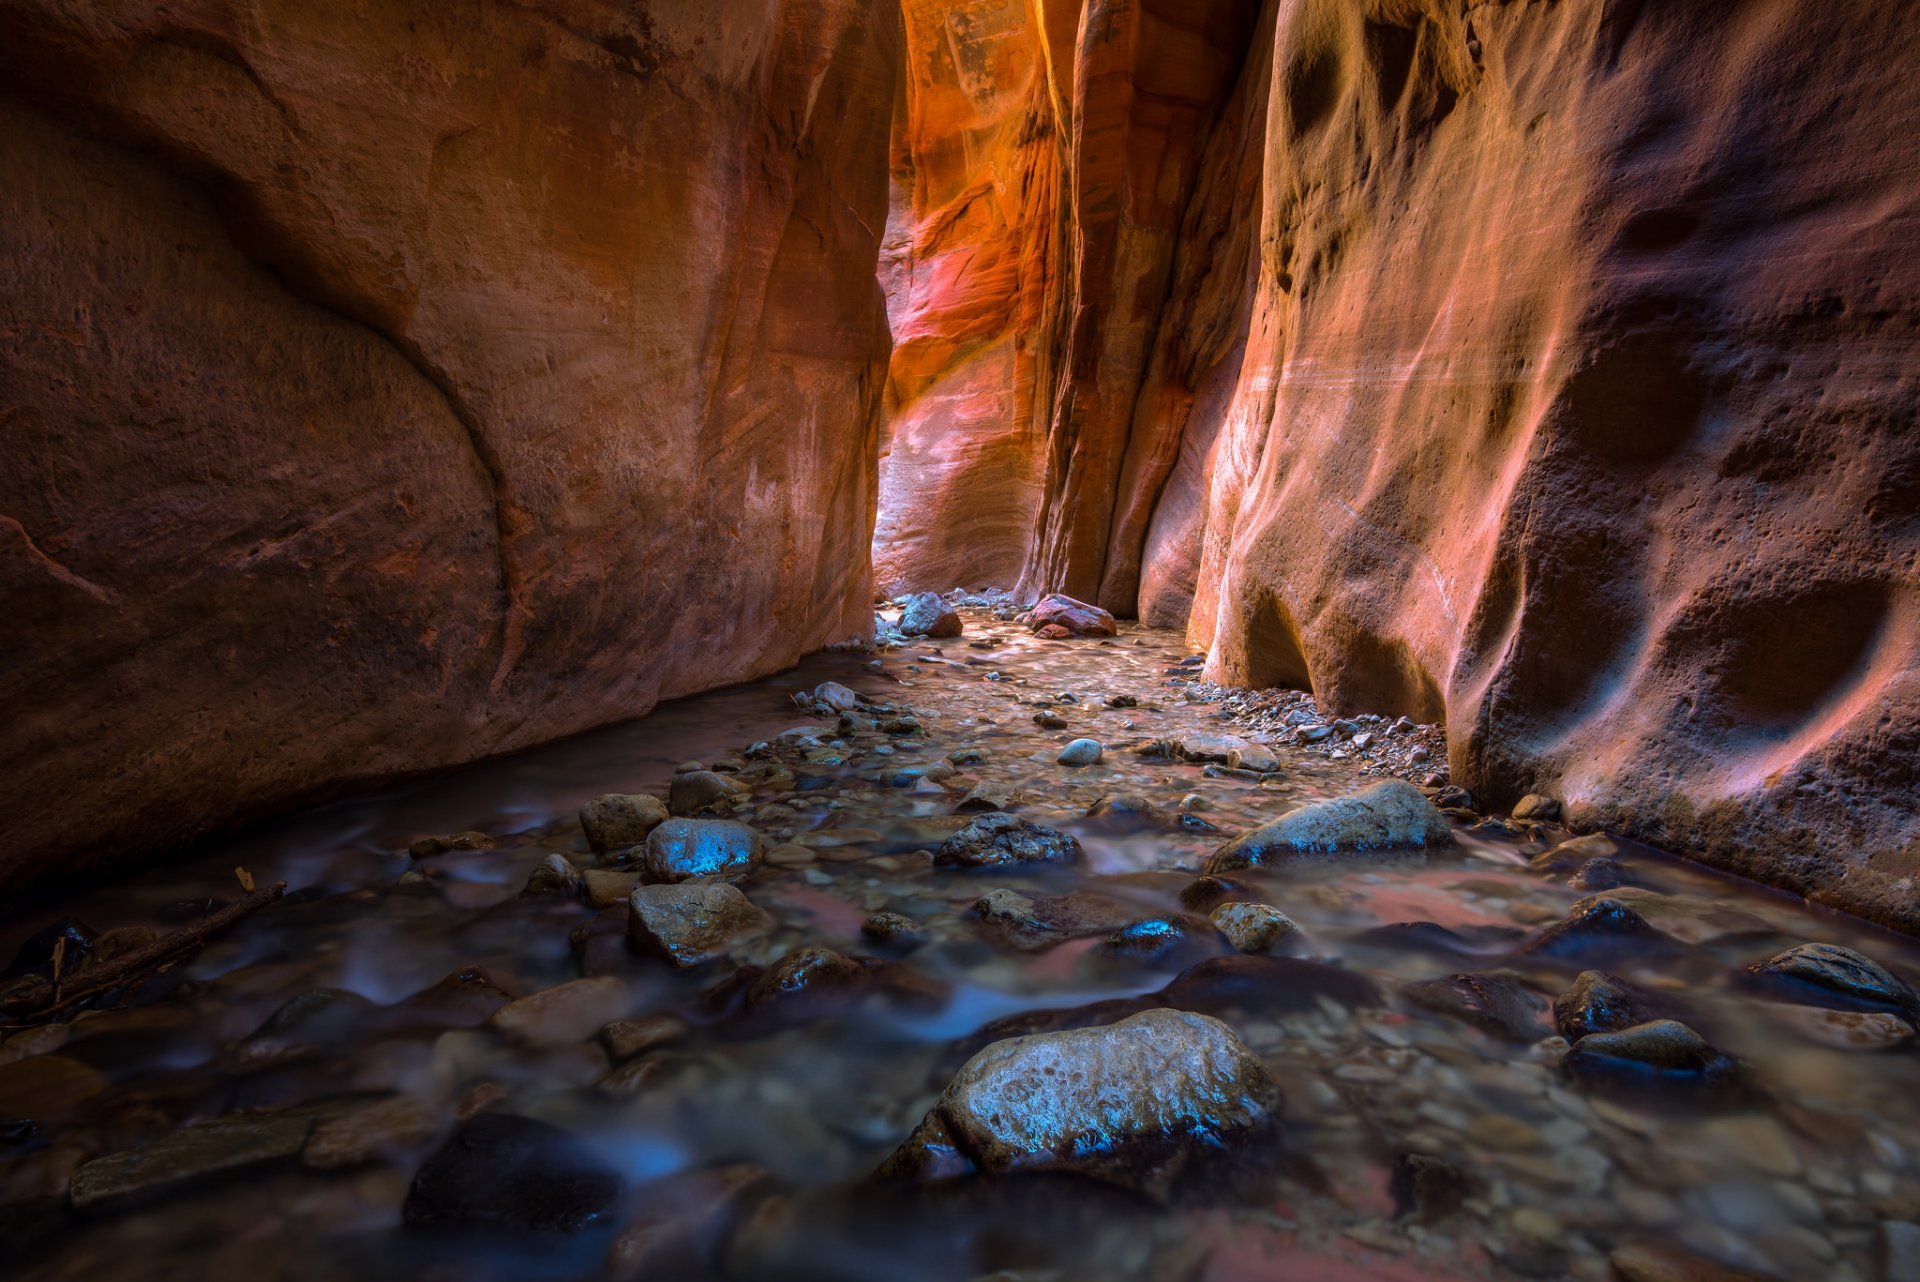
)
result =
(1600, 924)
(504, 1172)
(1660, 1053)
(682, 848)
(1001, 840)
(693, 923)
(1388, 816)
(554, 876)
(1142, 1104)
(1828, 972)
(1272, 984)
(1599, 1003)
(1498, 1005)
(187, 1156)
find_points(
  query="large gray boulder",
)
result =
(1139, 1103)
(1388, 816)
(926, 615)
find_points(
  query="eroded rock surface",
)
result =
(1135, 1103)
(386, 386)
(1423, 354)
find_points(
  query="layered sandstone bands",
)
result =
(1545, 369)
(388, 390)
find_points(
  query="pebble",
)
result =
(1081, 752)
(1250, 927)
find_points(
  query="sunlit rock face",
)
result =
(973, 287)
(393, 387)
(1544, 369)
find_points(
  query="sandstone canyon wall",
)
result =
(393, 384)
(1548, 369)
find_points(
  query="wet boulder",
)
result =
(1266, 984)
(1663, 1053)
(692, 923)
(1081, 752)
(621, 819)
(695, 790)
(1599, 1003)
(1827, 974)
(1128, 812)
(444, 843)
(835, 697)
(927, 615)
(894, 930)
(553, 876)
(1143, 1104)
(1001, 840)
(1252, 927)
(806, 977)
(1071, 618)
(569, 1012)
(1389, 816)
(1537, 808)
(462, 1000)
(1597, 925)
(321, 1018)
(502, 1172)
(682, 848)
(1171, 940)
(1498, 1005)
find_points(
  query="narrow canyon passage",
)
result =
(975, 639)
(1397, 1096)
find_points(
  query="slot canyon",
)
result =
(1202, 640)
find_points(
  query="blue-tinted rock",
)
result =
(683, 848)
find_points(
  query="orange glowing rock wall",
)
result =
(1549, 369)
(389, 385)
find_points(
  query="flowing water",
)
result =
(1541, 1174)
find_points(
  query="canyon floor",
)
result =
(476, 1039)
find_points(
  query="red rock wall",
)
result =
(385, 389)
(1549, 369)
(974, 288)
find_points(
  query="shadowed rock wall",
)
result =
(1548, 369)
(391, 386)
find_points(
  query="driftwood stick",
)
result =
(93, 981)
